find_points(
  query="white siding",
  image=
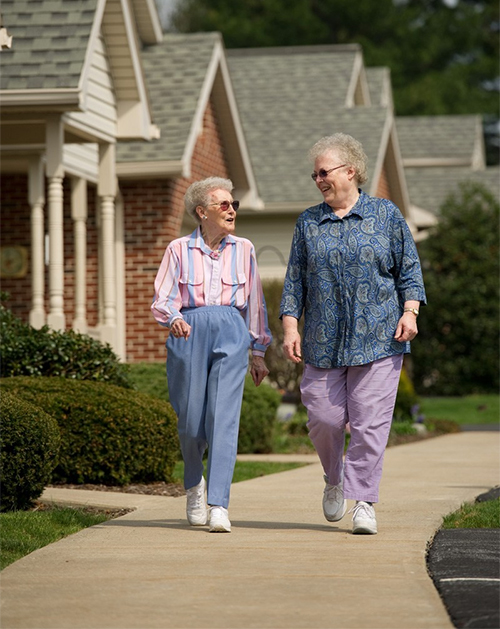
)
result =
(82, 160)
(100, 97)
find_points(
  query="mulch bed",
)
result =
(152, 489)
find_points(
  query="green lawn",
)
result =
(245, 470)
(477, 515)
(470, 409)
(23, 532)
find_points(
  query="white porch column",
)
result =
(121, 349)
(55, 174)
(107, 189)
(36, 199)
(79, 216)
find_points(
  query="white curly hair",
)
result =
(198, 193)
(349, 149)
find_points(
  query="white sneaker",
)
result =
(196, 507)
(219, 521)
(334, 504)
(363, 519)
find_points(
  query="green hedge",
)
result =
(109, 435)
(258, 415)
(29, 444)
(26, 351)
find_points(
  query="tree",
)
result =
(443, 56)
(456, 351)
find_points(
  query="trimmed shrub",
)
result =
(109, 435)
(258, 414)
(29, 444)
(26, 351)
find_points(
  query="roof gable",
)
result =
(59, 49)
(288, 99)
(183, 73)
(176, 71)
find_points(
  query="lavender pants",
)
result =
(364, 396)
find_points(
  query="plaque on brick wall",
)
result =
(13, 261)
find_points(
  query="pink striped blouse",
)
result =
(192, 275)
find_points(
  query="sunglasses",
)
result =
(322, 173)
(224, 205)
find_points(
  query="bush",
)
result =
(109, 435)
(406, 399)
(282, 372)
(258, 415)
(26, 351)
(29, 444)
(456, 352)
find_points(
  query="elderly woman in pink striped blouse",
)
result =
(208, 293)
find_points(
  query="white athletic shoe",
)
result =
(218, 520)
(334, 504)
(196, 507)
(363, 519)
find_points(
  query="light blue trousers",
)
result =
(206, 376)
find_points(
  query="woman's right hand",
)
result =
(291, 339)
(180, 328)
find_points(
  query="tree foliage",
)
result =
(456, 351)
(443, 59)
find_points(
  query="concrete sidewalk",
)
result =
(283, 566)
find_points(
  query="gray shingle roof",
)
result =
(50, 39)
(175, 71)
(429, 187)
(438, 136)
(290, 97)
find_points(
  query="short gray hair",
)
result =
(198, 193)
(350, 151)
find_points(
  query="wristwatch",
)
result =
(414, 310)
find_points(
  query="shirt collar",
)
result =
(358, 208)
(196, 241)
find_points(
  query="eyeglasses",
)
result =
(224, 205)
(322, 173)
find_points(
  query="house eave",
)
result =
(58, 99)
(149, 170)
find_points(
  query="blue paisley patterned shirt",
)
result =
(350, 276)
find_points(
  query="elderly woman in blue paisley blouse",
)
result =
(355, 274)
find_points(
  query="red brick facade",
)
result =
(153, 213)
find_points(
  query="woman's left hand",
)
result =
(407, 328)
(258, 370)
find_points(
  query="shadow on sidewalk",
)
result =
(237, 524)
